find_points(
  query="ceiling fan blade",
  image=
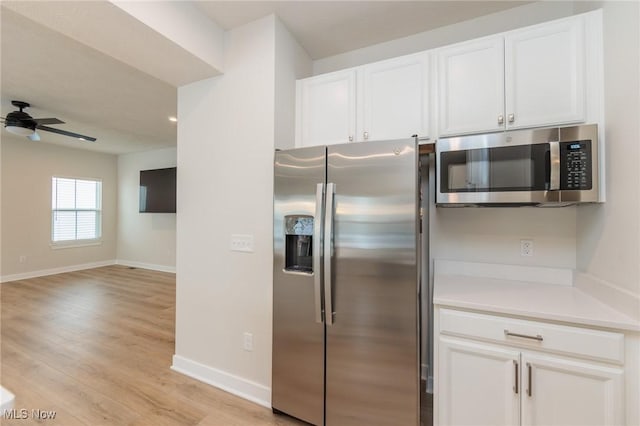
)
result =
(48, 121)
(64, 132)
(34, 136)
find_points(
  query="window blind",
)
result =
(75, 209)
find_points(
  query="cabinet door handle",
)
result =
(501, 119)
(365, 135)
(350, 138)
(537, 337)
(516, 369)
(512, 118)
(529, 384)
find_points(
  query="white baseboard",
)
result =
(142, 265)
(233, 384)
(54, 271)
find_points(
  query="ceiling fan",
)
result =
(21, 123)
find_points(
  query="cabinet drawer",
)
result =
(575, 341)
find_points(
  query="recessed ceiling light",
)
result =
(173, 119)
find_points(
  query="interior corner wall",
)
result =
(146, 240)
(609, 234)
(27, 169)
(292, 62)
(225, 187)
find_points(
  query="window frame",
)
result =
(82, 242)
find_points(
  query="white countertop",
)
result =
(538, 300)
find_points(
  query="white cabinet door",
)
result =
(327, 109)
(557, 391)
(477, 384)
(545, 74)
(471, 87)
(394, 98)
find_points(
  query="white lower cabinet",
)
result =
(558, 391)
(494, 370)
(476, 384)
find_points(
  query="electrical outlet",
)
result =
(23, 259)
(247, 342)
(526, 247)
(242, 243)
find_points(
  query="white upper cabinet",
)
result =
(393, 98)
(471, 87)
(545, 74)
(326, 111)
(382, 100)
(525, 78)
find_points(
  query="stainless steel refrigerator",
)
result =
(346, 271)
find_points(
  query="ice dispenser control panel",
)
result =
(575, 165)
(299, 243)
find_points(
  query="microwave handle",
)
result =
(554, 166)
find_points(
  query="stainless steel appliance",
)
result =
(345, 298)
(552, 166)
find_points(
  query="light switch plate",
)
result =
(242, 242)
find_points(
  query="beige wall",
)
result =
(510, 19)
(27, 168)
(146, 240)
(226, 140)
(292, 62)
(609, 235)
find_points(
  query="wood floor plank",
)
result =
(96, 347)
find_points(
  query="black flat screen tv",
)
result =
(158, 191)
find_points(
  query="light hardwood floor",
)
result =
(95, 346)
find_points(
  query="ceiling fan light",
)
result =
(19, 130)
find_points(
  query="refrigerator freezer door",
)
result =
(372, 366)
(298, 339)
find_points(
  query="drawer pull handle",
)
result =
(524, 336)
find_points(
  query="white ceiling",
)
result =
(46, 59)
(326, 28)
(93, 93)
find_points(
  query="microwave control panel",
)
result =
(575, 165)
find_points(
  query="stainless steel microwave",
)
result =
(551, 166)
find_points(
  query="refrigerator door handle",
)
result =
(328, 245)
(317, 252)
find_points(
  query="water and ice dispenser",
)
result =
(299, 243)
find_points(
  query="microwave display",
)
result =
(575, 165)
